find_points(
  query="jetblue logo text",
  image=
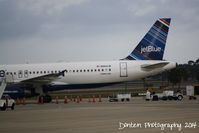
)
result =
(149, 49)
(2, 73)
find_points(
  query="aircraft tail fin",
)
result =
(152, 46)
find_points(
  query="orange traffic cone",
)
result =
(20, 101)
(38, 100)
(17, 101)
(74, 99)
(89, 99)
(24, 101)
(93, 98)
(66, 99)
(57, 102)
(42, 100)
(100, 98)
(78, 99)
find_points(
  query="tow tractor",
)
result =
(171, 95)
(166, 95)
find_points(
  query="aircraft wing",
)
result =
(44, 79)
(154, 66)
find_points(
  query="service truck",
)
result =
(120, 97)
(7, 102)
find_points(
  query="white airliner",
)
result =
(145, 60)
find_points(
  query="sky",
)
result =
(36, 31)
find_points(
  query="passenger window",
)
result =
(26, 73)
(20, 73)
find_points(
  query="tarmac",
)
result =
(137, 116)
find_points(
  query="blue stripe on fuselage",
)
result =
(77, 86)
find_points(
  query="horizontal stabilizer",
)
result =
(154, 66)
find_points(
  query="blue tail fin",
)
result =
(152, 46)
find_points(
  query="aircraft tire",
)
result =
(170, 97)
(13, 106)
(180, 97)
(4, 107)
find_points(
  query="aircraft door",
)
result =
(2, 75)
(123, 69)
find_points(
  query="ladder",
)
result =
(2, 85)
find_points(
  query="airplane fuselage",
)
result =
(84, 72)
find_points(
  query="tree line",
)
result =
(188, 72)
(184, 72)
